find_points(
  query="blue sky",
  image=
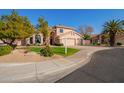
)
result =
(74, 17)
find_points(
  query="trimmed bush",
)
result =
(4, 50)
(46, 52)
(119, 43)
(94, 43)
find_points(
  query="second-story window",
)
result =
(61, 30)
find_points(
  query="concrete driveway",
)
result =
(106, 66)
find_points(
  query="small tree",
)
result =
(111, 28)
(87, 37)
(44, 29)
(86, 32)
(13, 27)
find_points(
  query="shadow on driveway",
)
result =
(106, 66)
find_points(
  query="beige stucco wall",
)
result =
(69, 37)
(65, 30)
(120, 38)
(70, 34)
(18, 42)
(1, 41)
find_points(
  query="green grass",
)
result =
(56, 50)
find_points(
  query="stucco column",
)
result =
(27, 40)
(41, 39)
(33, 39)
(75, 41)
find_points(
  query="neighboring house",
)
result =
(59, 35)
(120, 38)
(96, 38)
(65, 35)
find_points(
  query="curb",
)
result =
(57, 74)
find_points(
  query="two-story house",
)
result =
(65, 35)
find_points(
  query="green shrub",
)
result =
(98, 44)
(14, 46)
(94, 43)
(119, 43)
(28, 45)
(59, 44)
(4, 50)
(47, 52)
(87, 37)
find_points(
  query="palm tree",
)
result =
(113, 27)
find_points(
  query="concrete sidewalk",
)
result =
(48, 71)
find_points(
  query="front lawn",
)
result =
(56, 50)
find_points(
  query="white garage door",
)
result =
(69, 42)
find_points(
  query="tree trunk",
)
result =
(112, 38)
(9, 43)
(46, 41)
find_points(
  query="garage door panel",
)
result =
(70, 42)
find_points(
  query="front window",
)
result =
(61, 30)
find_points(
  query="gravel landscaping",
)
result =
(31, 54)
(19, 55)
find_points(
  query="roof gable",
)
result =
(66, 27)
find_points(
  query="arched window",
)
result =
(31, 40)
(37, 39)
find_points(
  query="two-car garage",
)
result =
(71, 41)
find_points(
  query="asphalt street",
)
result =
(106, 66)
